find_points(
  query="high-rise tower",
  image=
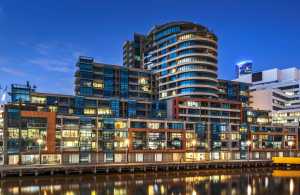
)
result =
(183, 57)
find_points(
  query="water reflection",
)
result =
(224, 182)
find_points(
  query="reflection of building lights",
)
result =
(292, 186)
(233, 191)
(120, 191)
(14, 190)
(194, 192)
(150, 190)
(155, 188)
(69, 193)
(249, 189)
(266, 182)
(215, 178)
(93, 192)
(162, 189)
(139, 182)
(30, 189)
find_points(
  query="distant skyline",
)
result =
(40, 41)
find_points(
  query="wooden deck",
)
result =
(127, 167)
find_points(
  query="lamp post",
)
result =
(248, 146)
(126, 145)
(40, 142)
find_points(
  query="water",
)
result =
(254, 181)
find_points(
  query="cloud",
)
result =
(52, 64)
(42, 48)
(8, 70)
(55, 56)
(12, 71)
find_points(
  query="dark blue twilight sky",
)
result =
(41, 39)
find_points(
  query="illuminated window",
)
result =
(223, 136)
(38, 100)
(175, 135)
(193, 104)
(143, 81)
(94, 145)
(185, 37)
(243, 129)
(89, 111)
(104, 111)
(189, 135)
(13, 133)
(262, 120)
(33, 133)
(53, 108)
(98, 85)
(71, 111)
(70, 143)
(153, 125)
(163, 94)
(120, 124)
(145, 88)
(100, 124)
(70, 133)
(235, 136)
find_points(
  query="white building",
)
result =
(276, 90)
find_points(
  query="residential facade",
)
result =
(183, 58)
(133, 52)
(164, 105)
(105, 80)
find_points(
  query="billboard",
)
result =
(243, 68)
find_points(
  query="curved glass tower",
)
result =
(183, 57)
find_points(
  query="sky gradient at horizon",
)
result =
(40, 41)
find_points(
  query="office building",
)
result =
(277, 91)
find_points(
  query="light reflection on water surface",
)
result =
(224, 182)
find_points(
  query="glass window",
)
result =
(38, 100)
(120, 124)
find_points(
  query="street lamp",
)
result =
(126, 145)
(290, 144)
(40, 142)
(248, 146)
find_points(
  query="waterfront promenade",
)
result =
(128, 167)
